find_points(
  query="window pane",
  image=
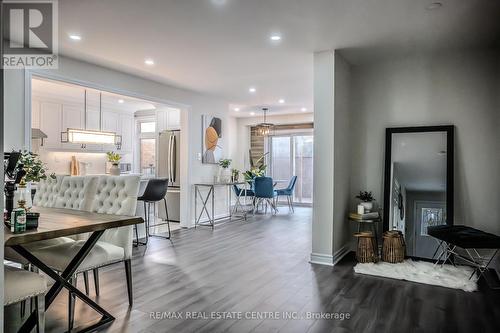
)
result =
(148, 152)
(304, 168)
(148, 127)
(281, 158)
(430, 217)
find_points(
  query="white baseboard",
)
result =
(328, 259)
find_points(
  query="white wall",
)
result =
(196, 104)
(324, 106)
(342, 158)
(242, 131)
(459, 88)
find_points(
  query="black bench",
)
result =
(470, 240)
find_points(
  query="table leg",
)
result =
(204, 201)
(63, 281)
(213, 206)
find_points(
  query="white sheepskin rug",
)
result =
(447, 276)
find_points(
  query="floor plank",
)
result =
(262, 266)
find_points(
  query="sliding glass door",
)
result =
(292, 155)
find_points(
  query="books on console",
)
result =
(365, 216)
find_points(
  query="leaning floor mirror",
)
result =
(418, 184)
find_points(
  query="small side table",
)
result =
(371, 223)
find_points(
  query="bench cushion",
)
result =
(465, 237)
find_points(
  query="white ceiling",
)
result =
(222, 47)
(421, 160)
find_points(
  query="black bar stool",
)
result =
(155, 191)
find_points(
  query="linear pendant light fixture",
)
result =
(86, 136)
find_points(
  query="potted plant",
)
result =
(224, 172)
(366, 200)
(35, 170)
(114, 159)
(235, 175)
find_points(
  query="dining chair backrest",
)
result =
(263, 187)
(117, 195)
(156, 189)
(77, 192)
(46, 192)
(291, 184)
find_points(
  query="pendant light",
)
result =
(265, 128)
(86, 136)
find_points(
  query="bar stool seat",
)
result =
(155, 191)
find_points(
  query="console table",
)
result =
(209, 200)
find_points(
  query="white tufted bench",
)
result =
(114, 195)
(63, 192)
(20, 285)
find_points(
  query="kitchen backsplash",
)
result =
(59, 162)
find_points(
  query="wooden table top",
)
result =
(57, 222)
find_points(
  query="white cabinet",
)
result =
(72, 117)
(93, 120)
(110, 121)
(169, 119)
(173, 119)
(51, 123)
(127, 132)
(35, 114)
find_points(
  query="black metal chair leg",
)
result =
(128, 273)
(96, 280)
(71, 306)
(86, 282)
(168, 218)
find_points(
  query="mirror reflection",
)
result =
(418, 188)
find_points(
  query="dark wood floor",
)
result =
(262, 265)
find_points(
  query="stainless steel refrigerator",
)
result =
(169, 156)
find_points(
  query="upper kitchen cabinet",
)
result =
(72, 117)
(168, 119)
(127, 130)
(50, 123)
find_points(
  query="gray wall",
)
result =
(342, 153)
(459, 88)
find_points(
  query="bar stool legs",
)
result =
(158, 224)
(146, 227)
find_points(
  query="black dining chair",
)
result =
(155, 191)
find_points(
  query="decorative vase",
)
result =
(114, 170)
(224, 175)
(368, 206)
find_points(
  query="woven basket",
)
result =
(366, 247)
(393, 248)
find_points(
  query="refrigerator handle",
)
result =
(173, 162)
(169, 165)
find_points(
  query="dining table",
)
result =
(57, 222)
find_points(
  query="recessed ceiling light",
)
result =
(303, 109)
(281, 101)
(75, 37)
(149, 62)
(252, 89)
(252, 113)
(237, 109)
(434, 5)
(275, 37)
(121, 101)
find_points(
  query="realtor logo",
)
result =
(30, 34)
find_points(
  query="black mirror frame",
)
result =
(450, 172)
